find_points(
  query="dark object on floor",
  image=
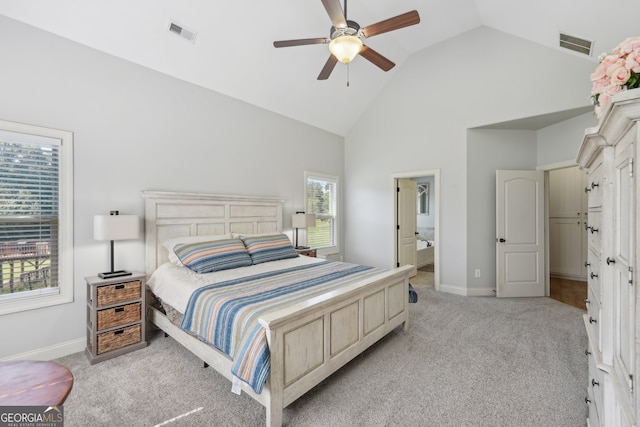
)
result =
(413, 295)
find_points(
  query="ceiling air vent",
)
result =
(576, 44)
(182, 32)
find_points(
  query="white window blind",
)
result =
(321, 195)
(29, 214)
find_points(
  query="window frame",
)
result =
(29, 300)
(335, 249)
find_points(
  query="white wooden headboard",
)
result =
(172, 214)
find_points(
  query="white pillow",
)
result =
(170, 244)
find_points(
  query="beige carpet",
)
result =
(464, 362)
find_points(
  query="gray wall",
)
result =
(136, 129)
(420, 122)
(488, 151)
(561, 142)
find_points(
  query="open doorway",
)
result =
(426, 223)
(567, 225)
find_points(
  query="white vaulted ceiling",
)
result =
(233, 52)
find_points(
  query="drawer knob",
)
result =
(610, 261)
(593, 275)
(592, 320)
(587, 400)
(587, 264)
(594, 383)
(594, 185)
(587, 352)
(586, 301)
(593, 230)
(587, 189)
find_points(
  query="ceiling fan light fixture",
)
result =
(345, 48)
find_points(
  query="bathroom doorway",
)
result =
(426, 222)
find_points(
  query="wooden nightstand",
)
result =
(115, 316)
(307, 252)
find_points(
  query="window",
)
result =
(36, 223)
(423, 199)
(321, 196)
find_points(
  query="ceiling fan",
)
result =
(345, 37)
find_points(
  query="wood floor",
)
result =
(569, 292)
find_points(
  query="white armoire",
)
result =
(608, 154)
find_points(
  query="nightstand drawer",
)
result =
(119, 338)
(115, 316)
(119, 292)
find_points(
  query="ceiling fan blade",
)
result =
(335, 13)
(328, 68)
(301, 42)
(376, 59)
(397, 22)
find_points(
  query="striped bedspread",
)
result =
(226, 314)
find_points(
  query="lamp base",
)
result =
(112, 274)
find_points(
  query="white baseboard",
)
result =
(467, 292)
(481, 292)
(51, 352)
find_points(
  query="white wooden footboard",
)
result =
(310, 341)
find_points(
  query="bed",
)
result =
(306, 341)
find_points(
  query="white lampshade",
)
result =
(303, 220)
(116, 227)
(345, 48)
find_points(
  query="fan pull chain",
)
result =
(347, 75)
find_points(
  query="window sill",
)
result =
(30, 300)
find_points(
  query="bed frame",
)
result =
(307, 341)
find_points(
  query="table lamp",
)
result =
(302, 220)
(115, 227)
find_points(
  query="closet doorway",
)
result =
(567, 222)
(426, 222)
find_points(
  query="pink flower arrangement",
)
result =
(618, 70)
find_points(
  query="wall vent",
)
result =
(181, 31)
(576, 44)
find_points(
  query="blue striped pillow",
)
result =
(269, 248)
(206, 257)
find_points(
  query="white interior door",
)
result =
(407, 223)
(520, 233)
